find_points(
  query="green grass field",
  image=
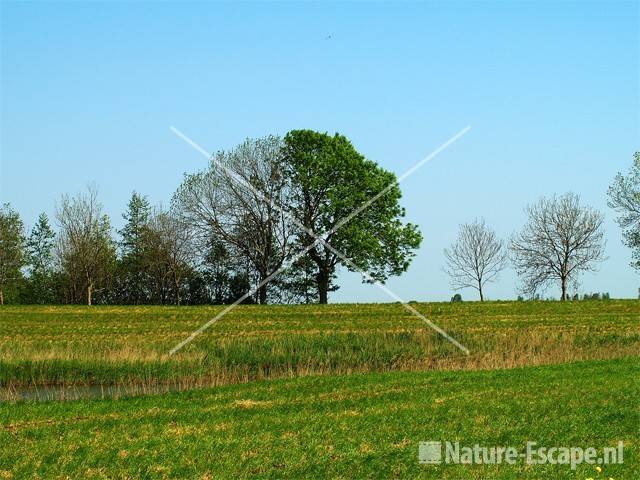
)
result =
(318, 391)
(357, 426)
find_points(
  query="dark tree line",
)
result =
(229, 232)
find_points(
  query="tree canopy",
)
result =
(330, 179)
(39, 249)
(85, 247)
(238, 199)
(476, 258)
(624, 197)
(560, 240)
(12, 255)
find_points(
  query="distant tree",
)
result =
(456, 298)
(168, 251)
(195, 288)
(85, 249)
(298, 283)
(329, 181)
(217, 266)
(560, 240)
(12, 254)
(239, 285)
(226, 276)
(136, 219)
(155, 266)
(236, 201)
(624, 198)
(476, 258)
(134, 280)
(40, 251)
(592, 296)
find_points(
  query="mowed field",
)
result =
(130, 345)
(338, 391)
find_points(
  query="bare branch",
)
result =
(214, 203)
(476, 258)
(560, 240)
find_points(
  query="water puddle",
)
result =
(49, 393)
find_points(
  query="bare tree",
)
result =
(235, 200)
(560, 240)
(85, 249)
(167, 252)
(12, 254)
(476, 258)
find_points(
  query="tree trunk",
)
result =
(89, 293)
(323, 286)
(1, 297)
(480, 290)
(563, 297)
(262, 294)
(176, 285)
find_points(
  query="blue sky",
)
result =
(551, 91)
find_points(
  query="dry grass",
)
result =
(127, 346)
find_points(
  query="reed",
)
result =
(128, 346)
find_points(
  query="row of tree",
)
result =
(560, 240)
(265, 222)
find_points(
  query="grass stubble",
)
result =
(128, 346)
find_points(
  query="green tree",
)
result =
(40, 286)
(624, 197)
(239, 285)
(297, 284)
(12, 253)
(133, 278)
(217, 268)
(329, 181)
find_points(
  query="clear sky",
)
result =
(550, 89)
